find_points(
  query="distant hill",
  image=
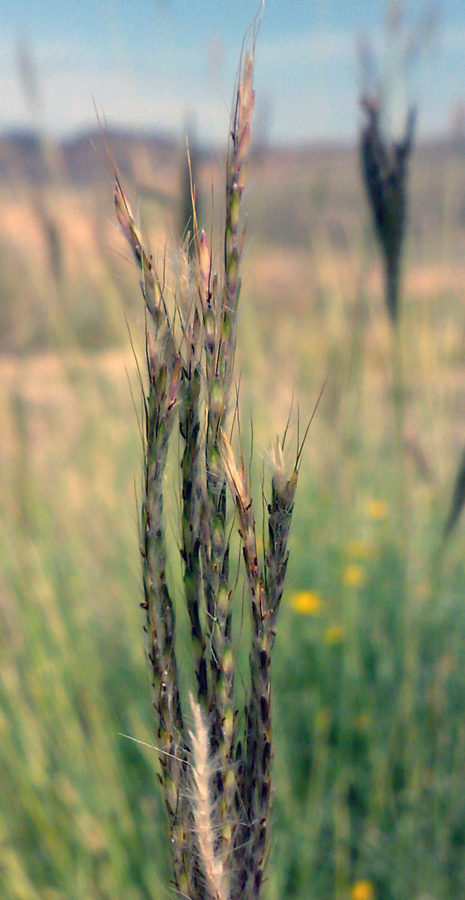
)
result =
(81, 159)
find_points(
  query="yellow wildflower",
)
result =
(378, 510)
(362, 722)
(323, 719)
(354, 575)
(335, 634)
(359, 549)
(362, 890)
(307, 603)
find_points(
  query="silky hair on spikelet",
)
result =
(203, 771)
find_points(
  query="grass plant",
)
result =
(219, 826)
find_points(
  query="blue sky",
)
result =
(153, 64)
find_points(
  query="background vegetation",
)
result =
(368, 682)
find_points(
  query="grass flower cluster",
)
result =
(216, 778)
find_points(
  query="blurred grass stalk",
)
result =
(386, 146)
(216, 779)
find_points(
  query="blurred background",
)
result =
(369, 684)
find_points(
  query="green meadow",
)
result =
(368, 680)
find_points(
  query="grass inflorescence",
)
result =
(219, 827)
